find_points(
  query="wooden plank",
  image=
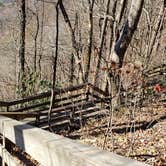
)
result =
(161, 67)
(45, 94)
(50, 149)
(30, 98)
(72, 88)
(63, 106)
(28, 114)
(98, 90)
(31, 107)
(8, 158)
(69, 97)
(102, 99)
(4, 104)
(86, 114)
(65, 115)
(20, 115)
(73, 105)
(46, 103)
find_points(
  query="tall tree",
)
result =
(121, 44)
(128, 30)
(103, 35)
(36, 36)
(21, 58)
(73, 40)
(90, 40)
(41, 38)
(54, 66)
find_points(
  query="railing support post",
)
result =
(7, 109)
(87, 92)
(37, 120)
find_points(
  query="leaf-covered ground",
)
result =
(139, 134)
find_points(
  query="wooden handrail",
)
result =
(44, 95)
(4, 104)
(57, 92)
(30, 98)
(161, 68)
(11, 114)
(105, 94)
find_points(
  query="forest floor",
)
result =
(139, 134)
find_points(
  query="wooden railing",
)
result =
(158, 70)
(65, 99)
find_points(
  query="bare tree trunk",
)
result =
(41, 39)
(113, 30)
(103, 33)
(72, 60)
(120, 12)
(154, 36)
(21, 59)
(112, 79)
(90, 40)
(121, 45)
(74, 42)
(128, 29)
(54, 67)
(35, 39)
(36, 14)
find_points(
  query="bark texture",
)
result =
(128, 29)
(21, 59)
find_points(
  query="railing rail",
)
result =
(65, 98)
(4, 104)
(156, 71)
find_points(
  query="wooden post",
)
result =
(71, 120)
(37, 120)
(7, 108)
(87, 92)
